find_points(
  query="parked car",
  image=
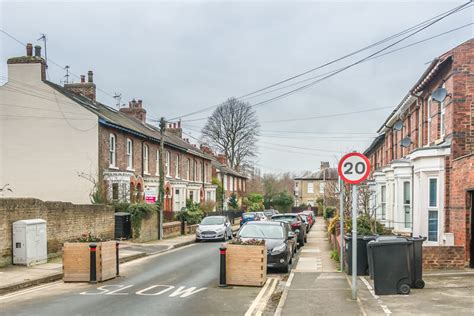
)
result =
(277, 238)
(292, 241)
(269, 213)
(311, 213)
(306, 221)
(309, 218)
(249, 216)
(297, 225)
(214, 228)
(262, 216)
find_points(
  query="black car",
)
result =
(297, 225)
(277, 238)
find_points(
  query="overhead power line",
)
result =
(418, 27)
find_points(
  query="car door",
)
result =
(228, 227)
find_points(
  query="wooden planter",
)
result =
(246, 265)
(76, 261)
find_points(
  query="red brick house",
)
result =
(423, 161)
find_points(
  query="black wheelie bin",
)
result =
(362, 263)
(415, 253)
(391, 266)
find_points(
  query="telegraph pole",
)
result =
(161, 193)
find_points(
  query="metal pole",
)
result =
(354, 242)
(222, 274)
(92, 268)
(341, 217)
(117, 258)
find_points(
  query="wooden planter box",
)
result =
(246, 265)
(76, 261)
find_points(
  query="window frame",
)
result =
(176, 167)
(112, 151)
(383, 201)
(433, 208)
(442, 125)
(188, 169)
(167, 163)
(146, 159)
(312, 188)
(407, 205)
(129, 152)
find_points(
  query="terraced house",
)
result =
(60, 143)
(424, 161)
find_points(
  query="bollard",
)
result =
(117, 258)
(222, 278)
(93, 270)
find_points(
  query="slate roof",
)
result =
(328, 174)
(227, 170)
(111, 117)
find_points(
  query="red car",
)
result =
(308, 218)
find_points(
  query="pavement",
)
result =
(315, 287)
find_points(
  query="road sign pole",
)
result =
(354, 242)
(341, 217)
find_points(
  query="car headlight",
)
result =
(279, 249)
(198, 230)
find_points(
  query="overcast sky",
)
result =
(179, 57)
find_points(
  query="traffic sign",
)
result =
(354, 168)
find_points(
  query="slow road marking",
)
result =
(153, 290)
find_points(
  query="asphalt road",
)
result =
(179, 282)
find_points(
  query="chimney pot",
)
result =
(179, 124)
(90, 76)
(29, 49)
(83, 78)
(37, 51)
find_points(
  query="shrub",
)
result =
(88, 237)
(335, 255)
(253, 202)
(332, 224)
(366, 226)
(192, 214)
(208, 206)
(233, 203)
(329, 212)
(120, 206)
(138, 212)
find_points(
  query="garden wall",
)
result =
(443, 257)
(65, 221)
(149, 228)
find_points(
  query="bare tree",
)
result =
(232, 129)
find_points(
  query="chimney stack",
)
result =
(37, 51)
(86, 89)
(83, 78)
(29, 49)
(175, 128)
(135, 109)
(90, 76)
(222, 158)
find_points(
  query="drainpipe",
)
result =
(143, 173)
(412, 198)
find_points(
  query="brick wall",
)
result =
(148, 229)
(443, 257)
(458, 206)
(171, 229)
(65, 221)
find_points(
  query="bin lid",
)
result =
(388, 242)
(30, 221)
(121, 214)
(390, 237)
(364, 237)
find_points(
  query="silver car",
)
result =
(214, 228)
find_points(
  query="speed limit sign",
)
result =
(354, 168)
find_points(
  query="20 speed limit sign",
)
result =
(354, 168)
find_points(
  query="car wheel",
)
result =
(198, 240)
(305, 239)
(286, 268)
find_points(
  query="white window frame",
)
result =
(167, 163)
(428, 127)
(176, 167)
(310, 185)
(432, 208)
(112, 151)
(383, 201)
(129, 154)
(145, 159)
(157, 172)
(442, 129)
(407, 205)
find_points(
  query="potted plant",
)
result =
(76, 259)
(246, 262)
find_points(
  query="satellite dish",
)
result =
(405, 142)
(439, 94)
(398, 125)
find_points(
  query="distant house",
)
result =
(312, 186)
(60, 143)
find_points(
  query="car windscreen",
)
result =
(213, 221)
(248, 215)
(261, 231)
(288, 218)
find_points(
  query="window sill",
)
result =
(147, 174)
(128, 169)
(114, 167)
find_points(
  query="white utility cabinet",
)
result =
(29, 242)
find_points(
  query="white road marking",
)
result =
(116, 292)
(385, 308)
(142, 292)
(34, 289)
(264, 300)
(183, 292)
(284, 294)
(258, 298)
